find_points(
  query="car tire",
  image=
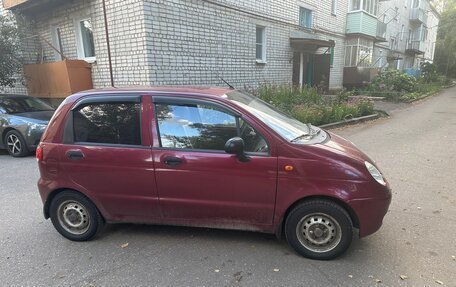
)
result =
(15, 144)
(75, 216)
(319, 229)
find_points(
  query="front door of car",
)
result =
(196, 179)
(107, 154)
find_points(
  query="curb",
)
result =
(350, 121)
(423, 97)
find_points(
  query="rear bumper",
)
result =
(370, 213)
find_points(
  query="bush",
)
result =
(308, 106)
(392, 84)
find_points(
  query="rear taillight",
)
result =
(39, 153)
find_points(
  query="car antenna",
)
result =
(218, 75)
(228, 84)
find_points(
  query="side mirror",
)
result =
(236, 146)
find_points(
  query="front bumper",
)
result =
(370, 213)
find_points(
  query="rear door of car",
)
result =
(196, 179)
(106, 153)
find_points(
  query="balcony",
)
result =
(418, 16)
(58, 79)
(415, 47)
(7, 4)
(29, 5)
(362, 23)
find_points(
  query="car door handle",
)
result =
(75, 154)
(172, 160)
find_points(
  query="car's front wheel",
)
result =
(15, 144)
(319, 229)
(75, 216)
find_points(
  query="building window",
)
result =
(415, 3)
(402, 32)
(305, 18)
(331, 56)
(358, 52)
(56, 42)
(261, 44)
(334, 7)
(370, 6)
(393, 43)
(355, 5)
(84, 34)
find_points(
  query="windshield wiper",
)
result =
(310, 135)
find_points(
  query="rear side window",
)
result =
(108, 123)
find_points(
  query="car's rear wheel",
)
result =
(319, 229)
(15, 144)
(75, 216)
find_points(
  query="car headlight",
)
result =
(375, 173)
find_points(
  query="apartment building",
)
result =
(329, 43)
(411, 34)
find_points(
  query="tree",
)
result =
(445, 50)
(10, 47)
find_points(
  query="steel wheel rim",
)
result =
(73, 217)
(319, 232)
(14, 144)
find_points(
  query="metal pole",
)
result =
(107, 43)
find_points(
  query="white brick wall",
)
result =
(175, 42)
(189, 42)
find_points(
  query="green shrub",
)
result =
(308, 106)
(392, 84)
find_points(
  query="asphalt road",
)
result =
(416, 149)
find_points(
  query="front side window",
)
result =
(305, 18)
(108, 123)
(260, 44)
(334, 7)
(203, 127)
(86, 47)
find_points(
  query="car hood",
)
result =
(43, 116)
(345, 148)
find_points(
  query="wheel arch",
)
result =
(5, 131)
(52, 195)
(353, 216)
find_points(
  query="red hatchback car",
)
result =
(209, 157)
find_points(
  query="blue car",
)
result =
(23, 120)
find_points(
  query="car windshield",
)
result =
(15, 105)
(288, 127)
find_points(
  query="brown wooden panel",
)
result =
(11, 3)
(58, 79)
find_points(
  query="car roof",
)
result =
(183, 90)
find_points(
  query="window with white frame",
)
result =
(358, 52)
(84, 39)
(334, 7)
(261, 44)
(56, 42)
(402, 32)
(305, 17)
(370, 6)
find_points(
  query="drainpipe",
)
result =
(107, 43)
